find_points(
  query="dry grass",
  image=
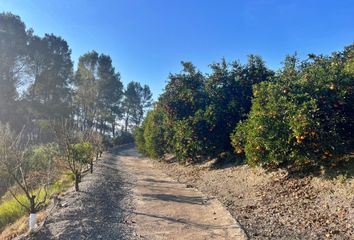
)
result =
(19, 227)
(12, 214)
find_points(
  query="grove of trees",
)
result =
(299, 117)
(55, 116)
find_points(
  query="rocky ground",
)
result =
(276, 205)
(131, 197)
(98, 211)
(127, 197)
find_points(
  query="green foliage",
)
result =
(107, 142)
(11, 210)
(99, 92)
(190, 138)
(123, 138)
(137, 100)
(184, 93)
(12, 54)
(139, 139)
(154, 134)
(50, 65)
(304, 117)
(201, 111)
(82, 152)
(39, 157)
(229, 93)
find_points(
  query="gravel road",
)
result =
(165, 209)
(128, 198)
(98, 211)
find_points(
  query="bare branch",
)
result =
(17, 200)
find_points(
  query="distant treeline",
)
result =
(40, 92)
(299, 117)
(38, 83)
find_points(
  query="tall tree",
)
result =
(137, 100)
(13, 39)
(86, 89)
(99, 91)
(229, 89)
(51, 68)
(110, 90)
(184, 93)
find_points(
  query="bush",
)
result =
(123, 138)
(107, 142)
(154, 134)
(40, 156)
(139, 139)
(303, 118)
(202, 110)
(82, 152)
(192, 142)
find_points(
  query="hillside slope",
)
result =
(276, 205)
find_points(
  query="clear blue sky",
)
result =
(147, 39)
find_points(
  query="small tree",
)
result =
(96, 141)
(30, 168)
(154, 134)
(76, 153)
(81, 154)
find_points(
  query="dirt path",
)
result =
(98, 211)
(166, 209)
(128, 198)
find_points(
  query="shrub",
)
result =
(123, 138)
(154, 141)
(40, 156)
(191, 139)
(82, 152)
(199, 138)
(139, 139)
(202, 110)
(107, 142)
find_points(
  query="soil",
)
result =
(132, 197)
(98, 211)
(275, 205)
(166, 209)
(127, 197)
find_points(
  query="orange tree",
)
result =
(139, 139)
(304, 117)
(229, 89)
(195, 115)
(205, 134)
(154, 131)
(184, 95)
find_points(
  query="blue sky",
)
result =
(147, 39)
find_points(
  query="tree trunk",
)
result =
(77, 181)
(32, 221)
(91, 166)
(113, 130)
(32, 204)
(126, 123)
